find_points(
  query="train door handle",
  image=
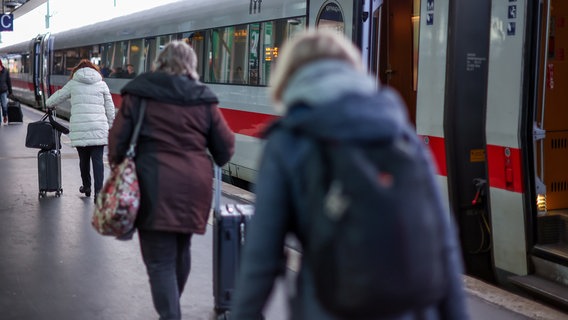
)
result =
(388, 72)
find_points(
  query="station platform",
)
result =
(53, 265)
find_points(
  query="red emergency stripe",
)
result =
(504, 164)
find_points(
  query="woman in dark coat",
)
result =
(182, 130)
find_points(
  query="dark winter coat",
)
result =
(181, 125)
(5, 81)
(340, 108)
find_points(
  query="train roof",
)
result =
(171, 18)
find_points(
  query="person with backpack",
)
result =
(345, 173)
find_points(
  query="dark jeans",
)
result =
(168, 262)
(94, 154)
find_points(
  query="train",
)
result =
(483, 81)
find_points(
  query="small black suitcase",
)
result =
(49, 168)
(229, 232)
(15, 114)
(49, 172)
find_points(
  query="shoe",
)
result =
(5, 119)
(86, 191)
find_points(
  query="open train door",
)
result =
(529, 130)
(46, 62)
(386, 31)
(397, 30)
(40, 49)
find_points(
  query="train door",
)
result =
(527, 134)
(46, 63)
(544, 129)
(397, 31)
(386, 31)
(40, 65)
(552, 121)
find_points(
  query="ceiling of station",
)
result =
(20, 7)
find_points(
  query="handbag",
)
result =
(42, 134)
(118, 201)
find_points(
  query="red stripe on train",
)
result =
(504, 164)
(247, 123)
(242, 122)
(437, 147)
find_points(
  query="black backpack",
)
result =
(375, 241)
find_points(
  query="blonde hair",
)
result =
(177, 58)
(308, 47)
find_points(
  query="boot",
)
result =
(86, 191)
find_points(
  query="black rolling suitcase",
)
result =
(49, 172)
(49, 160)
(229, 231)
(15, 114)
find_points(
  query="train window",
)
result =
(26, 66)
(119, 58)
(71, 59)
(86, 52)
(95, 56)
(197, 41)
(150, 48)
(254, 54)
(228, 55)
(57, 62)
(107, 52)
(135, 55)
(273, 35)
(15, 63)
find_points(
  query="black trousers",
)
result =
(87, 155)
(168, 262)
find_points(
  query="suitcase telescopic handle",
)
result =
(217, 195)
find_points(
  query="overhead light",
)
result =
(12, 4)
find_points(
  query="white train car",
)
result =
(483, 81)
(236, 42)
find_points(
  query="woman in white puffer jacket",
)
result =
(92, 114)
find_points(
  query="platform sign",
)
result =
(7, 22)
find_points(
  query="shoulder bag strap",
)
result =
(131, 153)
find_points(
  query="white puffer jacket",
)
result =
(92, 109)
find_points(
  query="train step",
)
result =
(543, 289)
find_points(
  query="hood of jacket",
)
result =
(87, 75)
(343, 105)
(174, 89)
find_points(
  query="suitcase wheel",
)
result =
(42, 194)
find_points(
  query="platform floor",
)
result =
(53, 265)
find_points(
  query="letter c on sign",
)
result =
(6, 22)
